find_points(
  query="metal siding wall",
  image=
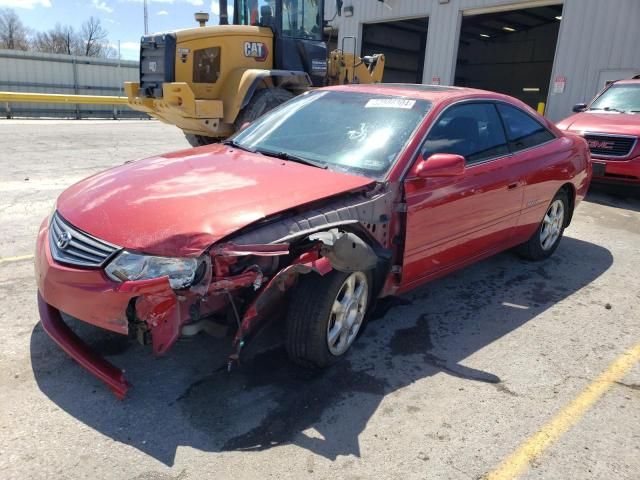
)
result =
(368, 11)
(22, 71)
(595, 35)
(442, 42)
(444, 25)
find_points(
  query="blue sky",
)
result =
(122, 18)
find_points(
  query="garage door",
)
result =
(509, 52)
(403, 43)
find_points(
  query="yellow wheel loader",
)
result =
(210, 80)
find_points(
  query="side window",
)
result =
(473, 130)
(523, 131)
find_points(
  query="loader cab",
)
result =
(297, 32)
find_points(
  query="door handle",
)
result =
(511, 186)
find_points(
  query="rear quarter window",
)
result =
(523, 131)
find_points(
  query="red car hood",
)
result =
(622, 123)
(179, 204)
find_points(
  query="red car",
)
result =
(340, 196)
(611, 126)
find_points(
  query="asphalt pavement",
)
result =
(491, 372)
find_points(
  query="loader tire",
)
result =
(261, 102)
(200, 140)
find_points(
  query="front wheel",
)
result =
(200, 140)
(325, 316)
(262, 101)
(547, 237)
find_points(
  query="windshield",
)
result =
(623, 98)
(300, 18)
(354, 132)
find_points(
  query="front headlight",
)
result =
(132, 266)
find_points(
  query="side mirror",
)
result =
(440, 165)
(579, 107)
(339, 7)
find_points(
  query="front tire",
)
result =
(325, 315)
(547, 237)
(261, 102)
(200, 140)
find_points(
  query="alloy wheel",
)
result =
(347, 313)
(552, 224)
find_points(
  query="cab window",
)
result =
(473, 130)
(523, 131)
(257, 12)
(302, 19)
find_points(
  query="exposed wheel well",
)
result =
(571, 195)
(380, 272)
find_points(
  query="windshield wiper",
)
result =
(292, 158)
(609, 109)
(234, 144)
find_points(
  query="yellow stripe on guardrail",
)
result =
(61, 98)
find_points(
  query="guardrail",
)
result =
(23, 97)
(61, 98)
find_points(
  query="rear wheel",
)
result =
(261, 102)
(325, 316)
(547, 237)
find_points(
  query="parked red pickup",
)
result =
(611, 126)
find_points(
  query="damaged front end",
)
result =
(239, 283)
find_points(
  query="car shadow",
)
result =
(618, 196)
(188, 399)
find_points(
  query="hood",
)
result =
(223, 31)
(179, 204)
(613, 123)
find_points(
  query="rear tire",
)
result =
(325, 316)
(261, 102)
(200, 140)
(547, 236)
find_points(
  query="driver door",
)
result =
(452, 221)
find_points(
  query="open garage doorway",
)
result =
(403, 43)
(510, 52)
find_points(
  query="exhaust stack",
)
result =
(224, 15)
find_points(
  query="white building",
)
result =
(552, 51)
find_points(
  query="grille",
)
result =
(157, 63)
(70, 246)
(610, 146)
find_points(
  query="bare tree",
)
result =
(93, 38)
(13, 34)
(108, 50)
(61, 39)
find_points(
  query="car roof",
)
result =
(633, 80)
(432, 93)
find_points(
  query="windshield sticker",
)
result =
(390, 103)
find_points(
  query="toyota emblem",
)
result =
(63, 240)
